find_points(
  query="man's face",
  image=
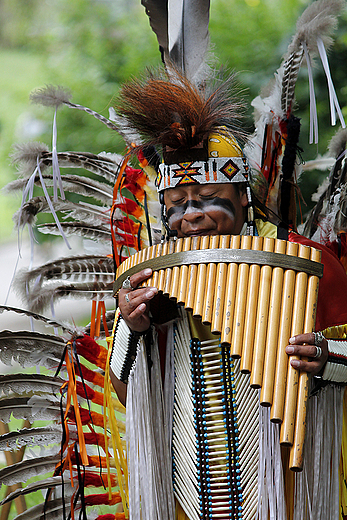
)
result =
(208, 209)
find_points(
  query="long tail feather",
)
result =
(23, 471)
(30, 348)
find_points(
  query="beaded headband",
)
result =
(224, 162)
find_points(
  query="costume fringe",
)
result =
(149, 461)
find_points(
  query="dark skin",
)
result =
(210, 209)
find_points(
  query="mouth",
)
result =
(198, 233)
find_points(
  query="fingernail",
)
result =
(292, 340)
(295, 364)
(147, 272)
(142, 307)
(151, 293)
(289, 350)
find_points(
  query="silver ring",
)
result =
(318, 353)
(126, 284)
(127, 297)
(318, 338)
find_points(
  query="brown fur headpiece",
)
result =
(169, 112)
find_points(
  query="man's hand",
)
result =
(134, 303)
(304, 345)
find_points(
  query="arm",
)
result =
(131, 321)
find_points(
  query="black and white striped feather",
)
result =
(42, 436)
(31, 349)
(181, 28)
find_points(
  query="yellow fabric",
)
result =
(223, 146)
(112, 425)
(180, 514)
(343, 462)
(266, 229)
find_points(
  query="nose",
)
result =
(193, 212)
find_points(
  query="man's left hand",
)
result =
(304, 345)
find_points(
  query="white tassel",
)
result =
(313, 106)
(147, 448)
(317, 487)
(55, 164)
(334, 104)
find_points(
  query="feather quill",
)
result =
(30, 348)
(56, 96)
(77, 211)
(77, 229)
(43, 436)
(53, 510)
(49, 322)
(88, 268)
(73, 183)
(40, 299)
(24, 470)
(24, 408)
(29, 383)
(48, 483)
(181, 28)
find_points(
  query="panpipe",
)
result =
(256, 293)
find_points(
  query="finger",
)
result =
(135, 298)
(311, 367)
(138, 312)
(298, 350)
(300, 339)
(140, 277)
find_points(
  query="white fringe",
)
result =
(271, 499)
(149, 460)
(317, 487)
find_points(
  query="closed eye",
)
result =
(207, 196)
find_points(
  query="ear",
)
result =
(243, 198)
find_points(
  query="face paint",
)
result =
(177, 213)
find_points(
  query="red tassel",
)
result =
(92, 351)
(102, 498)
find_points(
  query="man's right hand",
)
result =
(136, 311)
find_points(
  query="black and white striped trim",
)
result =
(336, 366)
(124, 349)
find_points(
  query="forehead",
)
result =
(226, 190)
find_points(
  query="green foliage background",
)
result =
(92, 46)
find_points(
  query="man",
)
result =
(208, 210)
(200, 435)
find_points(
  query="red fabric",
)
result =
(332, 292)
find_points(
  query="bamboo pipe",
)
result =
(200, 281)
(283, 336)
(192, 274)
(210, 284)
(240, 302)
(168, 271)
(183, 278)
(296, 452)
(176, 272)
(221, 278)
(155, 277)
(262, 319)
(287, 427)
(251, 310)
(161, 278)
(273, 326)
(228, 314)
(151, 253)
